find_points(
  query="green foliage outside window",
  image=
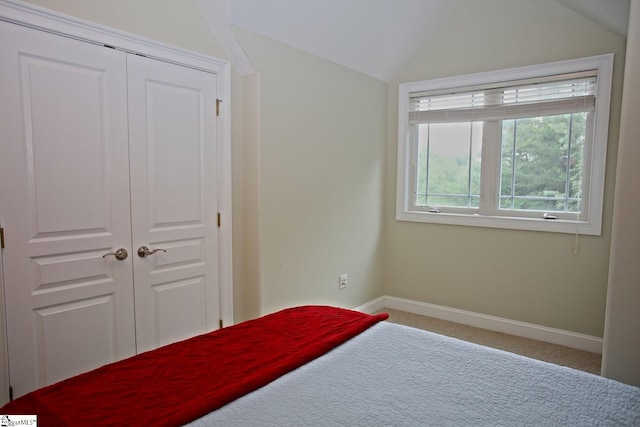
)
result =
(541, 166)
(542, 170)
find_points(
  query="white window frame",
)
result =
(595, 158)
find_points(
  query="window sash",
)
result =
(489, 203)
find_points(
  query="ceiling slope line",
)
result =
(217, 14)
(611, 15)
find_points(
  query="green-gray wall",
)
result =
(320, 179)
(526, 276)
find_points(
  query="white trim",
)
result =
(498, 324)
(373, 306)
(511, 74)
(225, 238)
(54, 22)
(29, 15)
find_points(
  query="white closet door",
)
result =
(64, 191)
(172, 135)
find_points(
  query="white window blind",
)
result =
(563, 94)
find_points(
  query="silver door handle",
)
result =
(143, 251)
(120, 254)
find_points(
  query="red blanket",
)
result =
(181, 382)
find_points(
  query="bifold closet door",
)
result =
(172, 138)
(64, 192)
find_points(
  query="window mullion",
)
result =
(470, 166)
(490, 177)
(427, 166)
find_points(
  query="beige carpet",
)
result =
(552, 353)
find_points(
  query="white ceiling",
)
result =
(374, 37)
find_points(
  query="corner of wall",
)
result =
(251, 195)
(217, 15)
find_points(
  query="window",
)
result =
(523, 148)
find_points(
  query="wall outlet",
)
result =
(343, 281)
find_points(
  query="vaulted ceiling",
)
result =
(374, 37)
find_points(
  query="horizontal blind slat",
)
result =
(505, 111)
(539, 92)
(510, 84)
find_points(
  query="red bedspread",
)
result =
(181, 382)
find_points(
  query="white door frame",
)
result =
(44, 19)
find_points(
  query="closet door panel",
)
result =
(64, 188)
(174, 200)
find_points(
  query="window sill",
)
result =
(512, 223)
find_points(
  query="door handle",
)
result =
(120, 254)
(143, 251)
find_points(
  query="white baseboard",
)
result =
(373, 306)
(492, 323)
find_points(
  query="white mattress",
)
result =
(392, 375)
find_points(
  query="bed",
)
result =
(327, 366)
